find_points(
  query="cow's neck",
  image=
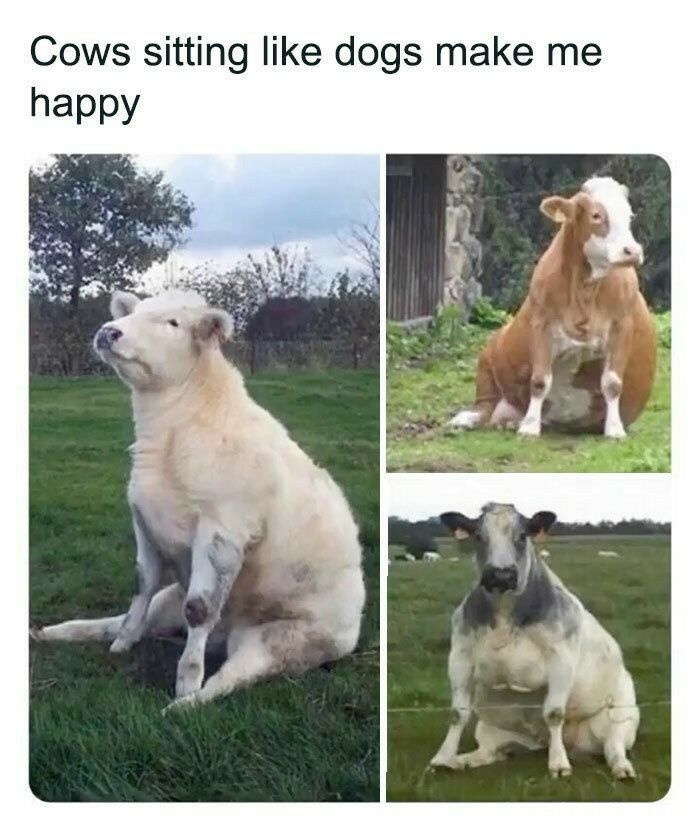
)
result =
(535, 601)
(579, 285)
(210, 395)
(575, 267)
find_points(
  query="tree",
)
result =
(362, 241)
(97, 220)
(280, 272)
(514, 233)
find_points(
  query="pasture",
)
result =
(96, 729)
(630, 596)
(430, 376)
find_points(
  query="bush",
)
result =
(485, 315)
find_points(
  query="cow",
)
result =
(609, 554)
(261, 541)
(580, 353)
(431, 556)
(535, 667)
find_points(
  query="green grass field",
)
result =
(96, 730)
(431, 377)
(631, 598)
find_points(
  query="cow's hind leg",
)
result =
(164, 617)
(613, 730)
(275, 648)
(493, 745)
(487, 397)
(618, 742)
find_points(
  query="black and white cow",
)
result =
(536, 668)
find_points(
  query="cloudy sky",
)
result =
(247, 203)
(571, 497)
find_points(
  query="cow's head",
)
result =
(504, 549)
(155, 343)
(600, 216)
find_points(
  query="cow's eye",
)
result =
(597, 216)
(173, 323)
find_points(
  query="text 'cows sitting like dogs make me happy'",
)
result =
(261, 540)
(580, 353)
(535, 667)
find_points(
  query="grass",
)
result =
(630, 596)
(430, 376)
(96, 730)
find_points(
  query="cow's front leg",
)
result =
(540, 380)
(460, 671)
(560, 680)
(217, 558)
(148, 579)
(613, 374)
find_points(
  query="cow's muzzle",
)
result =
(499, 580)
(632, 255)
(106, 336)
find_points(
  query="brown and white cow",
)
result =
(580, 353)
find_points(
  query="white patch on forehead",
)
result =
(500, 518)
(500, 522)
(613, 197)
(171, 300)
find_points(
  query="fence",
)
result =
(250, 356)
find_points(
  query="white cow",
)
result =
(609, 554)
(537, 669)
(261, 539)
(431, 556)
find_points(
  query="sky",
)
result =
(248, 203)
(572, 497)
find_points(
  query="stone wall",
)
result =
(465, 211)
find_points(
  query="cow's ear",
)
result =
(459, 524)
(558, 209)
(212, 324)
(540, 523)
(122, 303)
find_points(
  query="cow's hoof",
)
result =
(624, 770)
(121, 645)
(560, 771)
(186, 686)
(616, 433)
(180, 704)
(439, 763)
(478, 758)
(466, 420)
(529, 429)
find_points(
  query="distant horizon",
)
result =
(631, 519)
(576, 499)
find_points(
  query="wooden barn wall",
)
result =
(415, 206)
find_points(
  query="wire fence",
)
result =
(585, 713)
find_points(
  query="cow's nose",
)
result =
(635, 251)
(107, 336)
(499, 579)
